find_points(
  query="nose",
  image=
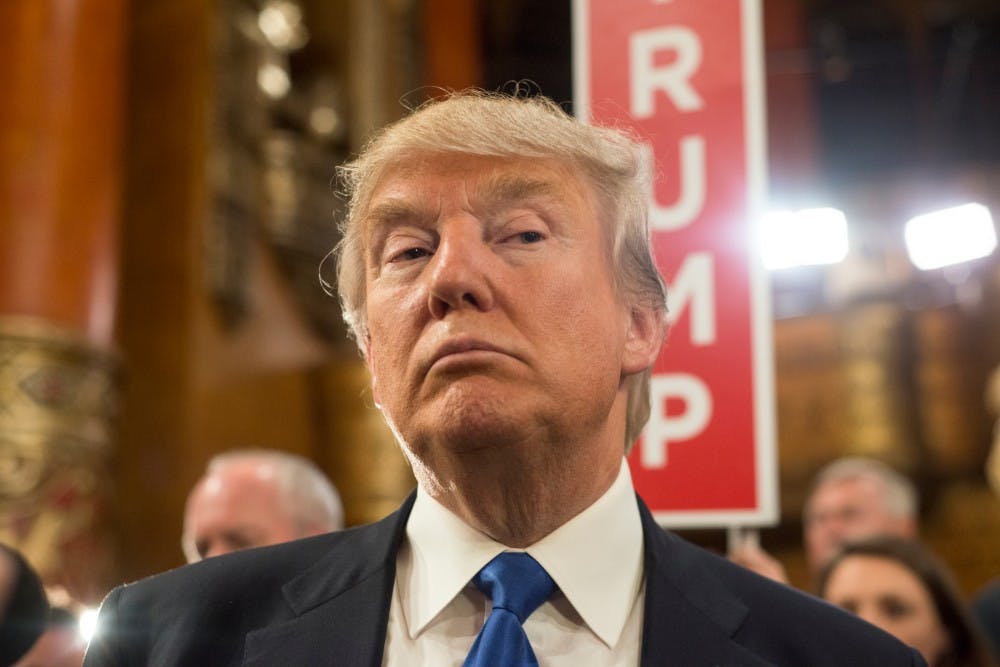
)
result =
(460, 270)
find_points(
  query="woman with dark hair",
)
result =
(902, 588)
(24, 608)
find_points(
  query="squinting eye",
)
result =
(411, 253)
(530, 237)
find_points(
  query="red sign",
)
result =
(687, 76)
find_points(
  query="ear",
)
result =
(647, 327)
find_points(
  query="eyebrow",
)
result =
(381, 218)
(494, 193)
(396, 210)
(509, 188)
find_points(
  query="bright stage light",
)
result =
(950, 236)
(805, 237)
(88, 624)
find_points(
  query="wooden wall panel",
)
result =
(60, 185)
(197, 384)
(60, 175)
(165, 201)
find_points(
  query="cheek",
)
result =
(387, 333)
(388, 360)
(584, 310)
(919, 630)
(585, 341)
(937, 642)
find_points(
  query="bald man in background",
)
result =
(256, 497)
(851, 498)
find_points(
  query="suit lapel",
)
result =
(341, 604)
(689, 616)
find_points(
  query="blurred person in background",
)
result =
(899, 586)
(855, 498)
(851, 498)
(986, 603)
(256, 497)
(24, 608)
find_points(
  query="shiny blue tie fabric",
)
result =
(517, 585)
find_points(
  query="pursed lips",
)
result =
(461, 345)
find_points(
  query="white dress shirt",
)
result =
(594, 618)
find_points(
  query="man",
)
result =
(255, 497)
(856, 498)
(851, 498)
(496, 272)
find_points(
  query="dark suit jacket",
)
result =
(325, 601)
(986, 609)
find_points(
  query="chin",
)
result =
(464, 421)
(474, 426)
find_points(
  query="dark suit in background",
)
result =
(986, 610)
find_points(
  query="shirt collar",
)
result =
(595, 558)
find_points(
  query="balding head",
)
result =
(251, 498)
(856, 498)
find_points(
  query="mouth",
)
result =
(462, 350)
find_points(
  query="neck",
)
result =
(519, 505)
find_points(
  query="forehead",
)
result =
(849, 491)
(235, 489)
(875, 572)
(421, 178)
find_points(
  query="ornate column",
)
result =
(58, 399)
(60, 125)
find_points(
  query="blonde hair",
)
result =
(476, 122)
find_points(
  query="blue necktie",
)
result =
(517, 585)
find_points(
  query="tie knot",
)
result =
(515, 582)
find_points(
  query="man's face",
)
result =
(492, 314)
(235, 508)
(843, 510)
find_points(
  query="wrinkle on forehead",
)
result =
(496, 185)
